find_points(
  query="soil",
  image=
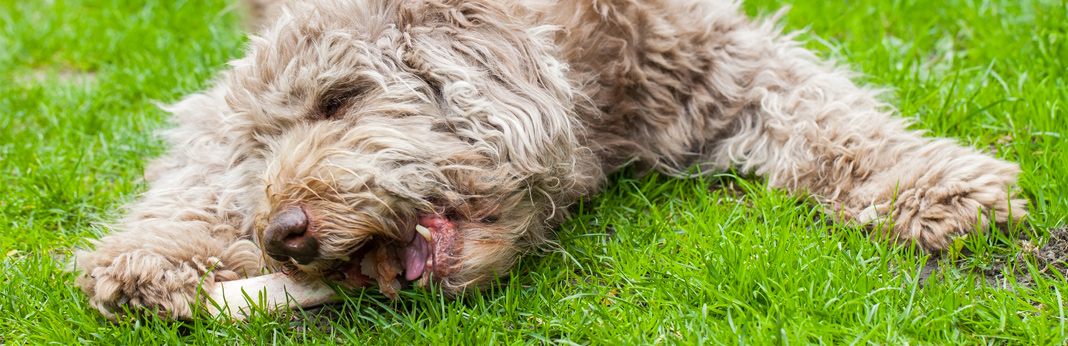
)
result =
(1050, 259)
(1050, 256)
(1054, 253)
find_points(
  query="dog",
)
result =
(417, 143)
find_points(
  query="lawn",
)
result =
(650, 260)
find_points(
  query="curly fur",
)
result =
(369, 113)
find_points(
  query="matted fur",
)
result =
(502, 114)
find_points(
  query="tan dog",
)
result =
(432, 142)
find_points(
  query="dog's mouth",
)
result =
(424, 254)
(423, 257)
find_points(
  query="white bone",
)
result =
(270, 293)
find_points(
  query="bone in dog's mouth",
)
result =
(414, 261)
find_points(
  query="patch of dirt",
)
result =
(1052, 255)
(1055, 251)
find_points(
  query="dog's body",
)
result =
(434, 141)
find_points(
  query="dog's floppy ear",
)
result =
(498, 79)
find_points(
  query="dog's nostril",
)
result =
(287, 237)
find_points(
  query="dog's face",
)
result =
(411, 143)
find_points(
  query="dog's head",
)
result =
(406, 142)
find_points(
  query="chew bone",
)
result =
(273, 292)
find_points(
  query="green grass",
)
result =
(650, 260)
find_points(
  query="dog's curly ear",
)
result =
(499, 80)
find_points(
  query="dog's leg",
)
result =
(696, 82)
(186, 229)
(678, 83)
(807, 127)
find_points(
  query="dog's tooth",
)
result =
(424, 232)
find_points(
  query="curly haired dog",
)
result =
(404, 143)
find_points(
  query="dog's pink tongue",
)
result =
(418, 250)
(414, 256)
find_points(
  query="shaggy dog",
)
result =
(397, 143)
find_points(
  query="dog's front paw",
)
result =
(142, 280)
(122, 275)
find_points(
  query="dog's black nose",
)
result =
(287, 237)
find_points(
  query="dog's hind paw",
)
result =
(956, 195)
